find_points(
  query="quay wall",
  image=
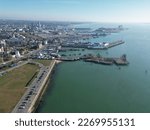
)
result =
(42, 89)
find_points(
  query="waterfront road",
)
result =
(14, 67)
(28, 101)
(24, 56)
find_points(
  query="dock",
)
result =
(109, 60)
(116, 43)
(119, 61)
(95, 46)
(106, 45)
(98, 60)
(69, 59)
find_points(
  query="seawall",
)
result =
(42, 89)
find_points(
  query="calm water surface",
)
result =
(87, 87)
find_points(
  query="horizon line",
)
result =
(36, 20)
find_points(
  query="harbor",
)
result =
(80, 86)
(87, 64)
(56, 51)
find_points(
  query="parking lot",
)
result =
(31, 95)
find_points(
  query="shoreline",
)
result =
(38, 97)
(44, 88)
(35, 95)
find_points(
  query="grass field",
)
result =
(44, 62)
(12, 86)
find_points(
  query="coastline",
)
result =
(36, 97)
(36, 102)
(102, 86)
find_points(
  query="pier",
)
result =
(98, 59)
(95, 46)
(116, 43)
(105, 45)
(108, 60)
(68, 59)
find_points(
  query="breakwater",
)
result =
(98, 59)
(95, 46)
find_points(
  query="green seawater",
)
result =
(88, 87)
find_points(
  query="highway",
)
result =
(30, 97)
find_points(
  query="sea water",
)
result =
(87, 87)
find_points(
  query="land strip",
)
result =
(32, 95)
(12, 86)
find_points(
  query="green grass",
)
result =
(12, 86)
(32, 78)
(44, 62)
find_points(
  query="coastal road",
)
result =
(24, 56)
(16, 66)
(32, 94)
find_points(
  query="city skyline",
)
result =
(76, 10)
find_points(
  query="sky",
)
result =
(77, 10)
